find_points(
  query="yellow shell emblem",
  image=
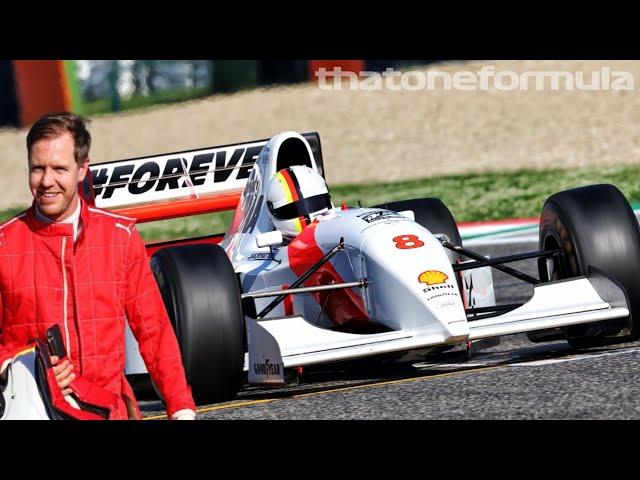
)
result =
(432, 277)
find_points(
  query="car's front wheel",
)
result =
(595, 226)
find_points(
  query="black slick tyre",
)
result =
(202, 297)
(595, 226)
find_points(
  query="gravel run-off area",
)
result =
(387, 135)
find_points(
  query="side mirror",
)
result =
(410, 214)
(269, 239)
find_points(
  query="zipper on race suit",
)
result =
(65, 297)
(75, 309)
(65, 280)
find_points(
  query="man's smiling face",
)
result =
(54, 175)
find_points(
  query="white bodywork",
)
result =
(411, 300)
(23, 400)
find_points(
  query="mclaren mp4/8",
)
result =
(394, 280)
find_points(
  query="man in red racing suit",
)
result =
(65, 262)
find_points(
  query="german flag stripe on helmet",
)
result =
(290, 185)
(292, 193)
(305, 220)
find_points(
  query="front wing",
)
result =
(291, 341)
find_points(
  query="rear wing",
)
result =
(180, 183)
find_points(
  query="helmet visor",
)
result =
(301, 207)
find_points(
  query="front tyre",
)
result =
(595, 226)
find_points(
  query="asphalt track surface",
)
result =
(516, 379)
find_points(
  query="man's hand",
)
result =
(64, 374)
(186, 414)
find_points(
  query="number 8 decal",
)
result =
(405, 242)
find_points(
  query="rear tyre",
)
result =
(202, 297)
(595, 226)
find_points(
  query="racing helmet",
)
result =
(295, 197)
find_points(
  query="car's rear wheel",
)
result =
(202, 297)
(595, 226)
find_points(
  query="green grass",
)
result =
(97, 107)
(470, 197)
(10, 212)
(194, 226)
(492, 196)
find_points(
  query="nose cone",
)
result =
(411, 279)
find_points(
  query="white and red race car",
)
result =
(391, 280)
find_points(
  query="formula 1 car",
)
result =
(395, 280)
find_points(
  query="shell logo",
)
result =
(432, 277)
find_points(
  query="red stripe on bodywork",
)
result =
(181, 207)
(288, 302)
(342, 306)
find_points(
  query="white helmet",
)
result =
(295, 197)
